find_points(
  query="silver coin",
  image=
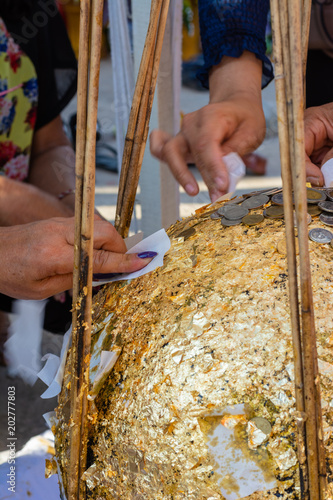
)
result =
(329, 194)
(327, 206)
(320, 235)
(326, 219)
(228, 222)
(256, 201)
(309, 219)
(277, 199)
(234, 212)
(235, 201)
(220, 211)
(270, 192)
(215, 215)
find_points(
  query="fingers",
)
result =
(328, 156)
(205, 132)
(157, 141)
(109, 262)
(313, 173)
(206, 136)
(175, 152)
(107, 237)
(45, 288)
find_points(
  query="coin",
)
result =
(329, 194)
(228, 222)
(327, 206)
(282, 246)
(220, 210)
(234, 212)
(314, 210)
(256, 201)
(252, 219)
(274, 212)
(263, 424)
(277, 199)
(326, 219)
(309, 219)
(236, 200)
(320, 235)
(186, 233)
(272, 191)
(314, 196)
(215, 215)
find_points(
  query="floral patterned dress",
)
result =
(18, 107)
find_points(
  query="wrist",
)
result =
(234, 77)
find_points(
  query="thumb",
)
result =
(109, 262)
(328, 156)
(313, 173)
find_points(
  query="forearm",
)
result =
(21, 203)
(234, 77)
(53, 172)
(229, 28)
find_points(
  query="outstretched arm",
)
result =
(233, 40)
(232, 121)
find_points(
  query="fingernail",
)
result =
(190, 189)
(103, 276)
(147, 255)
(314, 181)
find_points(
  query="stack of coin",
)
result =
(232, 214)
(236, 211)
(326, 216)
(329, 194)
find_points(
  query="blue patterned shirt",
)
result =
(228, 27)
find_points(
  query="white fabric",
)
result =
(327, 171)
(122, 70)
(23, 348)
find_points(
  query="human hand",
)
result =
(318, 124)
(205, 137)
(232, 121)
(38, 258)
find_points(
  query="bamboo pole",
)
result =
(82, 92)
(132, 161)
(76, 349)
(312, 399)
(283, 127)
(82, 308)
(137, 97)
(290, 44)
